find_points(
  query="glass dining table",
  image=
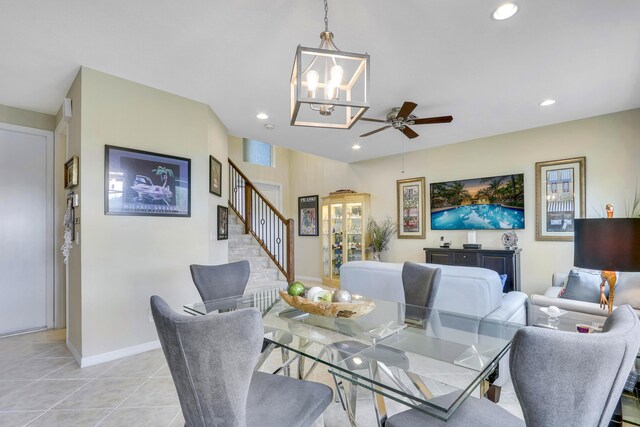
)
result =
(429, 360)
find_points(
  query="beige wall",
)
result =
(312, 175)
(32, 119)
(74, 269)
(611, 144)
(272, 175)
(126, 259)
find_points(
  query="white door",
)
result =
(26, 253)
(271, 192)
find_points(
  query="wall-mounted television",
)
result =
(493, 203)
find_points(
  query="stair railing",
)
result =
(263, 221)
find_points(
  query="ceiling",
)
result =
(450, 57)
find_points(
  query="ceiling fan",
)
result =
(400, 118)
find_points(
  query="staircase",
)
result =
(264, 274)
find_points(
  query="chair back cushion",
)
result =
(211, 359)
(566, 378)
(420, 284)
(221, 281)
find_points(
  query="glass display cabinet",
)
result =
(344, 232)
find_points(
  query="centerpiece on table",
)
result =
(316, 300)
(380, 236)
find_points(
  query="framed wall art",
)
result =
(215, 176)
(308, 216)
(490, 203)
(71, 170)
(411, 208)
(560, 197)
(223, 222)
(139, 182)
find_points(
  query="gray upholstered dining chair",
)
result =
(560, 378)
(212, 359)
(420, 284)
(220, 281)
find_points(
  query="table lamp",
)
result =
(607, 244)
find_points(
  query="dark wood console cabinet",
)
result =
(499, 260)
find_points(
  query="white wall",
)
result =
(126, 259)
(611, 144)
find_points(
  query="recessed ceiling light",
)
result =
(505, 11)
(355, 146)
(262, 116)
(547, 102)
(270, 126)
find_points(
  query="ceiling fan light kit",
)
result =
(329, 88)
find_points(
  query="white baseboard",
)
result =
(112, 355)
(309, 278)
(74, 352)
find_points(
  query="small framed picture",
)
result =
(560, 197)
(411, 208)
(223, 222)
(215, 176)
(308, 216)
(71, 172)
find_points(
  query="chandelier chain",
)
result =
(326, 19)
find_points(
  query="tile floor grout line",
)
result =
(60, 401)
(130, 394)
(175, 417)
(34, 381)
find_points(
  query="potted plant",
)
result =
(380, 236)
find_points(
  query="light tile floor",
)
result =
(41, 385)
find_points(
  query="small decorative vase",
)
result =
(376, 256)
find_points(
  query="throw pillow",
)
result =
(583, 286)
(503, 279)
(628, 290)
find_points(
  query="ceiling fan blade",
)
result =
(375, 131)
(430, 120)
(409, 133)
(366, 119)
(406, 109)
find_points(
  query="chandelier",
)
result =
(329, 88)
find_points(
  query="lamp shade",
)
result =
(611, 244)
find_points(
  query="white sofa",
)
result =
(627, 291)
(470, 291)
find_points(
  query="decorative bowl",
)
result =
(343, 310)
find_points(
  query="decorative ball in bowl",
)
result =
(343, 310)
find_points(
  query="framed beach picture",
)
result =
(215, 176)
(308, 216)
(71, 169)
(560, 197)
(139, 182)
(411, 208)
(223, 222)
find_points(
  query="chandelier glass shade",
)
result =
(329, 88)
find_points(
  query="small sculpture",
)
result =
(510, 240)
(608, 277)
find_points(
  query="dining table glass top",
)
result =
(429, 360)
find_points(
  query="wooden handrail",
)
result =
(257, 213)
(247, 180)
